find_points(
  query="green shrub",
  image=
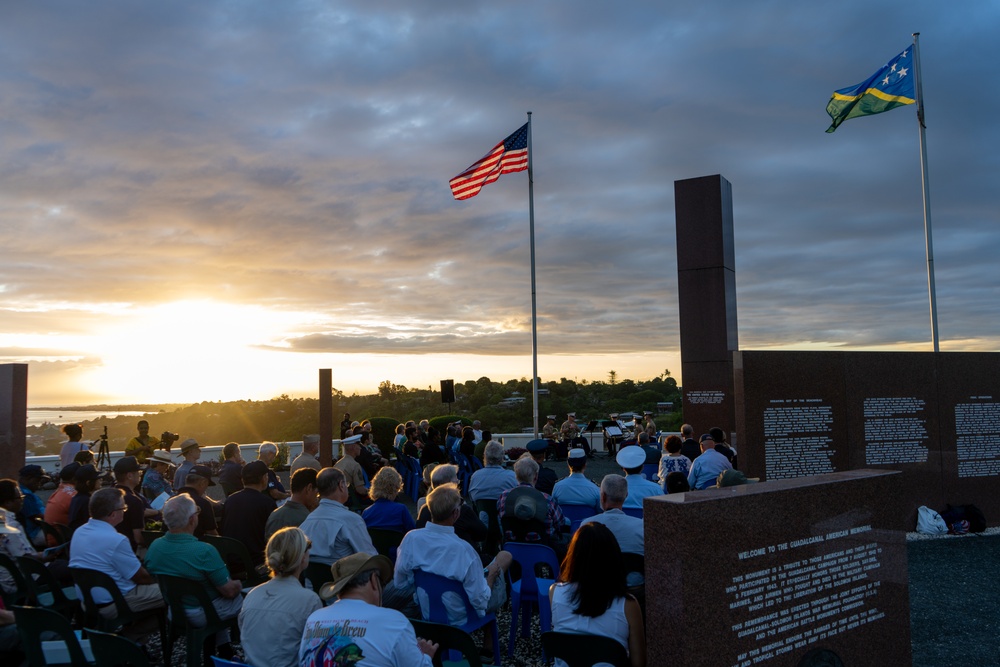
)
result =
(441, 423)
(281, 460)
(383, 433)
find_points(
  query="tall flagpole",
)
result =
(534, 307)
(926, 187)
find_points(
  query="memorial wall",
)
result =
(933, 416)
(770, 574)
(13, 417)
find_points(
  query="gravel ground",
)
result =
(954, 596)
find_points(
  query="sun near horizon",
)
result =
(205, 350)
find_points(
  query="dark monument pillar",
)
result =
(13, 417)
(706, 296)
(326, 416)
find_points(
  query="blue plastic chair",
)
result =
(530, 590)
(219, 662)
(436, 586)
(415, 477)
(402, 466)
(464, 472)
(576, 514)
(651, 471)
(633, 511)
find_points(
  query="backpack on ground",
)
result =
(930, 522)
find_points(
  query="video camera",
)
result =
(167, 438)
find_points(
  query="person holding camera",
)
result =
(143, 445)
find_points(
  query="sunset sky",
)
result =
(212, 200)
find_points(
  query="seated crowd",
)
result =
(328, 517)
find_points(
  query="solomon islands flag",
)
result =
(890, 87)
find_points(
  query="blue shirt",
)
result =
(273, 482)
(180, 475)
(231, 476)
(335, 532)
(489, 482)
(629, 533)
(706, 468)
(388, 515)
(577, 490)
(154, 484)
(32, 507)
(638, 488)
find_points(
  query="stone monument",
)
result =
(935, 416)
(706, 299)
(13, 417)
(783, 573)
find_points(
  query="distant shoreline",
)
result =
(145, 407)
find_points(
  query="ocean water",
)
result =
(60, 417)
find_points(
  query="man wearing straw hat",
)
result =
(356, 626)
(154, 481)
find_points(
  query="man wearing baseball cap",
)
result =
(705, 469)
(195, 485)
(30, 478)
(133, 520)
(358, 582)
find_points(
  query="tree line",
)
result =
(285, 418)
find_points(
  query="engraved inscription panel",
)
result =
(798, 438)
(977, 427)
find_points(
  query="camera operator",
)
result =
(143, 445)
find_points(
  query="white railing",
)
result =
(50, 462)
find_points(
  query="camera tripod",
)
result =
(103, 456)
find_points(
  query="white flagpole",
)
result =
(926, 189)
(534, 308)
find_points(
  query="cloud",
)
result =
(296, 156)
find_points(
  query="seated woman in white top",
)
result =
(275, 613)
(591, 595)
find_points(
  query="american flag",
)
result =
(508, 156)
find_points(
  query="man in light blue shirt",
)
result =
(632, 459)
(576, 489)
(626, 529)
(334, 530)
(706, 468)
(489, 482)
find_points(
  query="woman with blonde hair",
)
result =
(275, 613)
(385, 513)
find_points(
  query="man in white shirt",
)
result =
(356, 627)
(97, 545)
(436, 549)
